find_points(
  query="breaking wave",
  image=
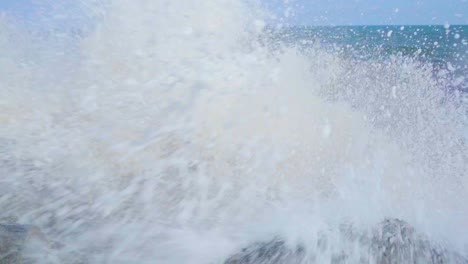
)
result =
(172, 132)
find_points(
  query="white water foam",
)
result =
(170, 134)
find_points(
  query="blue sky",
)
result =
(318, 12)
(374, 12)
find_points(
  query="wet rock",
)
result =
(12, 241)
(23, 244)
(392, 242)
(275, 251)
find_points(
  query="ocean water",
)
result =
(183, 131)
(442, 46)
(432, 43)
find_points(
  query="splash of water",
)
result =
(170, 133)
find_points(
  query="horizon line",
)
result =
(377, 25)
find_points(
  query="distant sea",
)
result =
(445, 47)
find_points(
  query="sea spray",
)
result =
(173, 133)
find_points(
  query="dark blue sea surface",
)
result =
(431, 42)
(444, 47)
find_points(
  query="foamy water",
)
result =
(170, 134)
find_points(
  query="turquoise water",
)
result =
(432, 42)
(444, 47)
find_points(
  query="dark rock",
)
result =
(22, 244)
(391, 242)
(275, 251)
(394, 242)
(12, 240)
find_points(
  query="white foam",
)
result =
(172, 135)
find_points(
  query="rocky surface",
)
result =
(23, 244)
(391, 242)
(13, 238)
(275, 251)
